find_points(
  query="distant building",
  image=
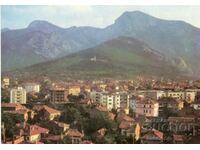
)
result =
(18, 95)
(111, 100)
(74, 90)
(148, 108)
(187, 95)
(58, 95)
(170, 103)
(17, 109)
(32, 87)
(153, 94)
(130, 129)
(5, 82)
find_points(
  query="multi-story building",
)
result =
(5, 82)
(32, 87)
(132, 102)
(187, 95)
(74, 90)
(111, 100)
(153, 94)
(58, 95)
(170, 103)
(147, 107)
(18, 95)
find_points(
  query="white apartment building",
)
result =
(18, 95)
(32, 87)
(154, 94)
(111, 100)
(187, 95)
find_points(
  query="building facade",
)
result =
(58, 95)
(32, 87)
(18, 95)
(149, 108)
(5, 82)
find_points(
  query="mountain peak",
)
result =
(43, 26)
(136, 16)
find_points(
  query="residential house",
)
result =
(17, 109)
(63, 127)
(147, 108)
(152, 137)
(34, 133)
(130, 129)
(45, 112)
(74, 135)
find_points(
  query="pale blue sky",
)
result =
(15, 17)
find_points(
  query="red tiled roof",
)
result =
(123, 116)
(35, 129)
(54, 137)
(124, 125)
(20, 111)
(101, 108)
(51, 110)
(74, 133)
(155, 133)
(48, 109)
(17, 105)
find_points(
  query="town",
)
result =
(138, 111)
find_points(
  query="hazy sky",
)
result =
(98, 16)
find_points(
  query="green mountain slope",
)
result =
(122, 57)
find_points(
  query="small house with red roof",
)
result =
(46, 112)
(74, 135)
(152, 137)
(34, 133)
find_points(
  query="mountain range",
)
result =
(170, 45)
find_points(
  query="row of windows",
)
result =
(147, 111)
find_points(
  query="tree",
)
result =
(70, 115)
(5, 95)
(10, 121)
(67, 140)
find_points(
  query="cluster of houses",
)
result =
(146, 104)
(36, 134)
